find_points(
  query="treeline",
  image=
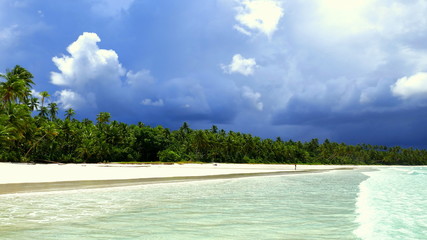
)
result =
(31, 131)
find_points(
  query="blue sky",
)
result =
(353, 71)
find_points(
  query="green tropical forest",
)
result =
(32, 131)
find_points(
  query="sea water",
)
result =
(388, 203)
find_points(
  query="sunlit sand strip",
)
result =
(18, 178)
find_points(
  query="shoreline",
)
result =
(32, 187)
(29, 178)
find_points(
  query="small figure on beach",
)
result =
(295, 167)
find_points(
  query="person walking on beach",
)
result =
(295, 166)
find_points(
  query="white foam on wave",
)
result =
(391, 204)
(364, 210)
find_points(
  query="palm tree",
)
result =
(43, 112)
(11, 90)
(200, 143)
(185, 128)
(103, 117)
(214, 129)
(87, 122)
(69, 113)
(20, 118)
(33, 104)
(24, 75)
(44, 95)
(53, 110)
(16, 88)
(6, 130)
(46, 131)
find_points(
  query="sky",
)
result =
(352, 71)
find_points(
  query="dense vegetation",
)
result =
(31, 131)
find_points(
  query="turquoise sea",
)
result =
(385, 203)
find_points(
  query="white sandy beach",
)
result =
(42, 173)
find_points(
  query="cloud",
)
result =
(34, 93)
(186, 98)
(10, 35)
(389, 127)
(239, 64)
(260, 15)
(401, 19)
(140, 78)
(328, 66)
(19, 4)
(87, 62)
(149, 102)
(414, 57)
(69, 99)
(93, 75)
(94, 80)
(413, 86)
(348, 16)
(242, 30)
(253, 97)
(111, 8)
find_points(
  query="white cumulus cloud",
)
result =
(260, 15)
(86, 62)
(240, 65)
(69, 99)
(94, 77)
(413, 86)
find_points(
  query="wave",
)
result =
(364, 211)
(412, 170)
(391, 204)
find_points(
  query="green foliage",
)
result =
(33, 133)
(169, 156)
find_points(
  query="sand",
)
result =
(41, 177)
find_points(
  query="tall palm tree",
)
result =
(44, 95)
(185, 128)
(69, 113)
(53, 110)
(214, 129)
(43, 112)
(33, 104)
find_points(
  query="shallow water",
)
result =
(307, 206)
